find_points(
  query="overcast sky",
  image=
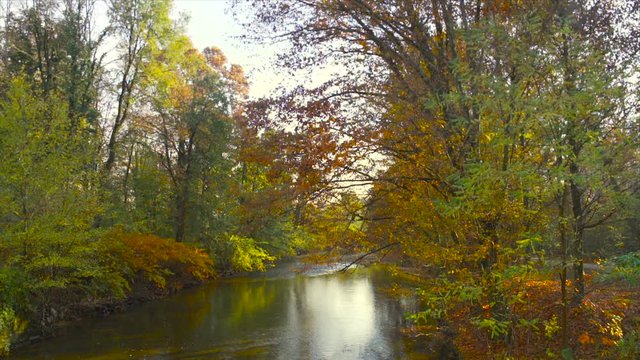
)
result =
(212, 24)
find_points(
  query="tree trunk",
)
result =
(181, 213)
(564, 245)
(578, 238)
(125, 183)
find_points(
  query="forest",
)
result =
(488, 148)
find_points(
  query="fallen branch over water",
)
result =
(361, 257)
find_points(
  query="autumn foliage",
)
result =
(162, 263)
(481, 137)
(599, 324)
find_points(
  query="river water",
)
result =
(280, 314)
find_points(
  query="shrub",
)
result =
(247, 256)
(622, 268)
(162, 262)
(10, 327)
(239, 253)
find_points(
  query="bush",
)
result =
(10, 327)
(628, 347)
(162, 262)
(622, 268)
(239, 253)
(247, 256)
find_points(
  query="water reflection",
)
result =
(339, 316)
(329, 318)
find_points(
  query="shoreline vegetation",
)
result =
(605, 323)
(141, 268)
(491, 147)
(150, 268)
(608, 317)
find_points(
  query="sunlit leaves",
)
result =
(163, 262)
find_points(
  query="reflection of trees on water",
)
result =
(249, 303)
(323, 317)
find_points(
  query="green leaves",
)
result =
(10, 327)
(625, 267)
(247, 256)
(496, 328)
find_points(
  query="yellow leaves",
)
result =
(425, 68)
(363, 43)
(488, 136)
(623, 301)
(11, 326)
(247, 256)
(83, 124)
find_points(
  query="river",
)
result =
(279, 314)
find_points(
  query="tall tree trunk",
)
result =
(578, 238)
(125, 183)
(181, 212)
(564, 245)
(495, 295)
(185, 164)
(574, 170)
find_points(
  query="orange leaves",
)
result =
(607, 342)
(214, 57)
(596, 326)
(298, 140)
(585, 339)
(232, 73)
(160, 261)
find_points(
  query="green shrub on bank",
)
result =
(622, 268)
(11, 326)
(239, 253)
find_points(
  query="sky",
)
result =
(212, 24)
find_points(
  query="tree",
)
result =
(48, 202)
(453, 99)
(141, 26)
(193, 129)
(590, 133)
(55, 43)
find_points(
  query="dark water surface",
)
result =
(276, 315)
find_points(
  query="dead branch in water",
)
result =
(367, 254)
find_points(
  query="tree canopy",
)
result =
(471, 140)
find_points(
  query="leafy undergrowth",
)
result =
(162, 263)
(603, 326)
(110, 272)
(624, 268)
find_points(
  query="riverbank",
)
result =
(134, 268)
(600, 326)
(99, 308)
(604, 325)
(159, 278)
(276, 314)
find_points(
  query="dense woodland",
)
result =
(489, 147)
